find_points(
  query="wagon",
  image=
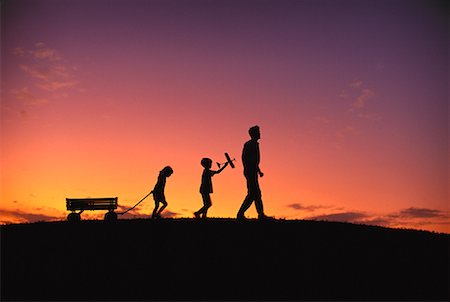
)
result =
(91, 204)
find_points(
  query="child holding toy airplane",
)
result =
(206, 186)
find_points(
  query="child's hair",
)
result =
(167, 170)
(206, 162)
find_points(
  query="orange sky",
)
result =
(353, 113)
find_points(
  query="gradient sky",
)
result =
(351, 97)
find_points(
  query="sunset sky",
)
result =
(351, 98)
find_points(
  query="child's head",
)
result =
(206, 162)
(167, 171)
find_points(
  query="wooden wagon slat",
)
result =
(92, 204)
(73, 204)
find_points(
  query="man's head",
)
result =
(254, 133)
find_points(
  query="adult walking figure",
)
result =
(250, 161)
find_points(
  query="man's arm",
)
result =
(261, 174)
(258, 158)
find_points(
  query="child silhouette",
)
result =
(206, 186)
(158, 191)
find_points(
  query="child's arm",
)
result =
(221, 169)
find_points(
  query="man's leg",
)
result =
(251, 190)
(244, 207)
(259, 207)
(258, 200)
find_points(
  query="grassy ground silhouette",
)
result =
(218, 259)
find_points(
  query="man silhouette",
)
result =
(250, 161)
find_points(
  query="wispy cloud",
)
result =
(19, 51)
(369, 116)
(347, 131)
(50, 78)
(357, 84)
(422, 213)
(41, 51)
(19, 216)
(48, 71)
(27, 97)
(134, 213)
(37, 72)
(362, 98)
(306, 208)
(418, 218)
(57, 85)
(170, 214)
(137, 213)
(322, 120)
(342, 217)
(359, 94)
(408, 218)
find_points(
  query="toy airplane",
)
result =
(229, 161)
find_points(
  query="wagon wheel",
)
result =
(111, 216)
(73, 217)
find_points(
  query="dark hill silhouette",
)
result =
(219, 259)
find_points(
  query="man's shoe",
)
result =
(264, 217)
(241, 217)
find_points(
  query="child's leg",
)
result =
(206, 204)
(157, 199)
(202, 209)
(164, 205)
(155, 210)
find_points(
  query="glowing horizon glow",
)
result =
(351, 99)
